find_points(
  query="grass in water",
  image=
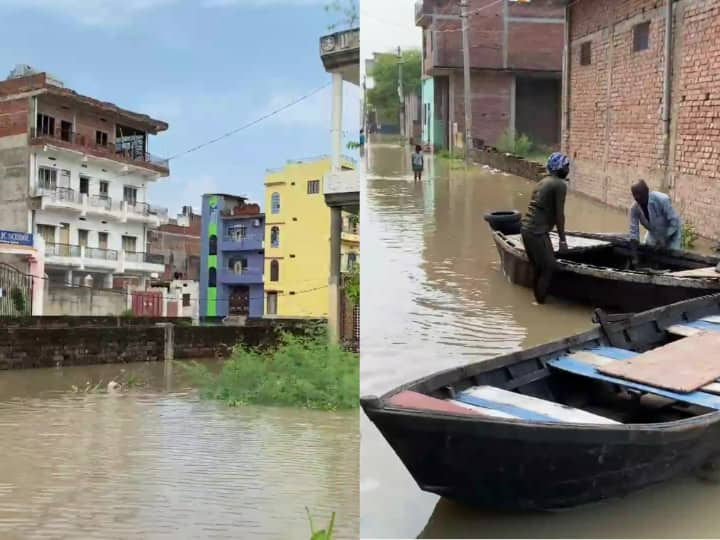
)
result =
(300, 372)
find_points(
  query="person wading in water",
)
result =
(545, 212)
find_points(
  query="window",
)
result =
(274, 271)
(351, 261)
(104, 189)
(101, 138)
(130, 194)
(103, 240)
(212, 248)
(275, 237)
(82, 237)
(272, 303)
(313, 187)
(47, 233)
(85, 185)
(66, 130)
(64, 179)
(641, 36)
(239, 232)
(238, 264)
(45, 125)
(129, 243)
(47, 178)
(275, 203)
(212, 277)
(586, 53)
(186, 300)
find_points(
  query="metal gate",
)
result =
(15, 292)
(147, 303)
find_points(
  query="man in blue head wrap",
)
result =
(545, 212)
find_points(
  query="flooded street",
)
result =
(159, 463)
(433, 298)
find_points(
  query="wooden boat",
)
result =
(595, 270)
(546, 428)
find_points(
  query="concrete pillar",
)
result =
(37, 271)
(108, 281)
(69, 278)
(513, 105)
(142, 283)
(337, 106)
(334, 316)
(169, 341)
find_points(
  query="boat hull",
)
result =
(521, 467)
(624, 291)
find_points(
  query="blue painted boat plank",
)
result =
(614, 352)
(505, 407)
(570, 365)
(704, 325)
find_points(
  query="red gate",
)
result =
(147, 303)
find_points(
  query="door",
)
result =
(85, 185)
(103, 240)
(239, 301)
(65, 130)
(64, 240)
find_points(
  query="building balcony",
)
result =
(351, 235)
(100, 205)
(231, 243)
(248, 277)
(340, 52)
(423, 16)
(342, 189)
(80, 142)
(95, 258)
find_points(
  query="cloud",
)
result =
(262, 3)
(92, 12)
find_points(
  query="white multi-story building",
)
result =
(74, 171)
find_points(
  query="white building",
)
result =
(75, 172)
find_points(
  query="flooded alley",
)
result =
(156, 462)
(436, 298)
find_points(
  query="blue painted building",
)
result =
(232, 256)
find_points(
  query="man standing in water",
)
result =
(656, 213)
(545, 212)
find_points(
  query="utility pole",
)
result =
(401, 94)
(466, 78)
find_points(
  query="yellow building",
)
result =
(297, 239)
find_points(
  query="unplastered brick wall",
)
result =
(14, 117)
(616, 132)
(490, 104)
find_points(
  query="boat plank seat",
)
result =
(695, 327)
(575, 243)
(585, 363)
(526, 407)
(709, 272)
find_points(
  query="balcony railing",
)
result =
(101, 201)
(61, 250)
(59, 194)
(101, 253)
(350, 228)
(138, 207)
(134, 256)
(162, 213)
(154, 258)
(87, 141)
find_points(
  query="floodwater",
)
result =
(434, 298)
(158, 463)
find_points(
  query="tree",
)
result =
(383, 97)
(346, 11)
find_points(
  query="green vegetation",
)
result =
(302, 371)
(128, 314)
(688, 236)
(383, 97)
(456, 159)
(352, 285)
(346, 10)
(18, 299)
(524, 146)
(323, 534)
(353, 145)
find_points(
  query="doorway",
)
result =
(239, 300)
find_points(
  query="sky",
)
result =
(385, 26)
(204, 66)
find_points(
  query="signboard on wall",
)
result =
(16, 238)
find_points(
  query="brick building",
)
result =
(638, 106)
(515, 62)
(178, 242)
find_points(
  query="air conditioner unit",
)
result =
(256, 223)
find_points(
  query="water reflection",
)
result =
(158, 463)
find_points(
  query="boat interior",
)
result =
(595, 251)
(592, 383)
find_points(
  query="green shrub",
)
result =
(323, 534)
(520, 145)
(128, 314)
(688, 236)
(18, 299)
(352, 285)
(302, 371)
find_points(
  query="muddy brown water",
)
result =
(433, 298)
(158, 463)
